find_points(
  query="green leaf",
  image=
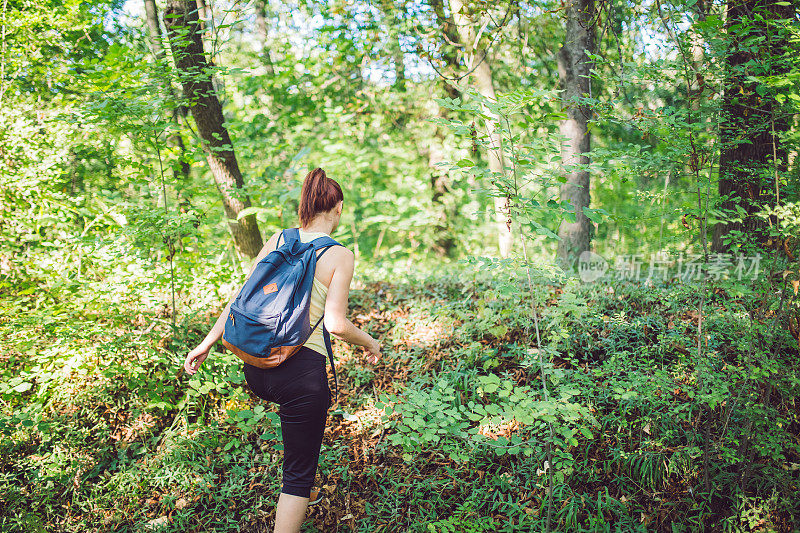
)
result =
(541, 230)
(498, 330)
(592, 215)
(24, 386)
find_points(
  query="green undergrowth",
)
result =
(102, 431)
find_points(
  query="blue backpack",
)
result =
(269, 319)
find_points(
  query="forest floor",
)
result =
(102, 430)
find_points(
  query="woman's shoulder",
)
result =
(343, 252)
(338, 258)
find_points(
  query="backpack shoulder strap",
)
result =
(327, 337)
(323, 243)
(291, 234)
(329, 348)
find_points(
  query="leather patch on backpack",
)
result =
(272, 287)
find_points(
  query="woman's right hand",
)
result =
(373, 352)
(195, 358)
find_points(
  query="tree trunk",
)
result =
(696, 81)
(262, 9)
(181, 170)
(153, 29)
(187, 49)
(747, 154)
(573, 71)
(396, 51)
(203, 15)
(482, 76)
(449, 49)
(434, 150)
(399, 66)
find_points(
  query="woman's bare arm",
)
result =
(336, 320)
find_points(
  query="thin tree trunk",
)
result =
(482, 76)
(262, 10)
(395, 50)
(434, 150)
(3, 54)
(450, 46)
(202, 15)
(399, 67)
(153, 29)
(748, 146)
(187, 49)
(698, 60)
(573, 71)
(181, 170)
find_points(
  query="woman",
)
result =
(300, 384)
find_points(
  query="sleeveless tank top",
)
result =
(318, 294)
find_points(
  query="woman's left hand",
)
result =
(195, 358)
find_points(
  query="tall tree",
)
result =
(466, 24)
(574, 67)
(186, 43)
(433, 149)
(204, 15)
(182, 169)
(449, 46)
(394, 24)
(262, 24)
(751, 118)
(698, 59)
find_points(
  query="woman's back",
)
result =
(319, 291)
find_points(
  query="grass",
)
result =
(103, 432)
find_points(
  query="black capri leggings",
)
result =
(300, 386)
